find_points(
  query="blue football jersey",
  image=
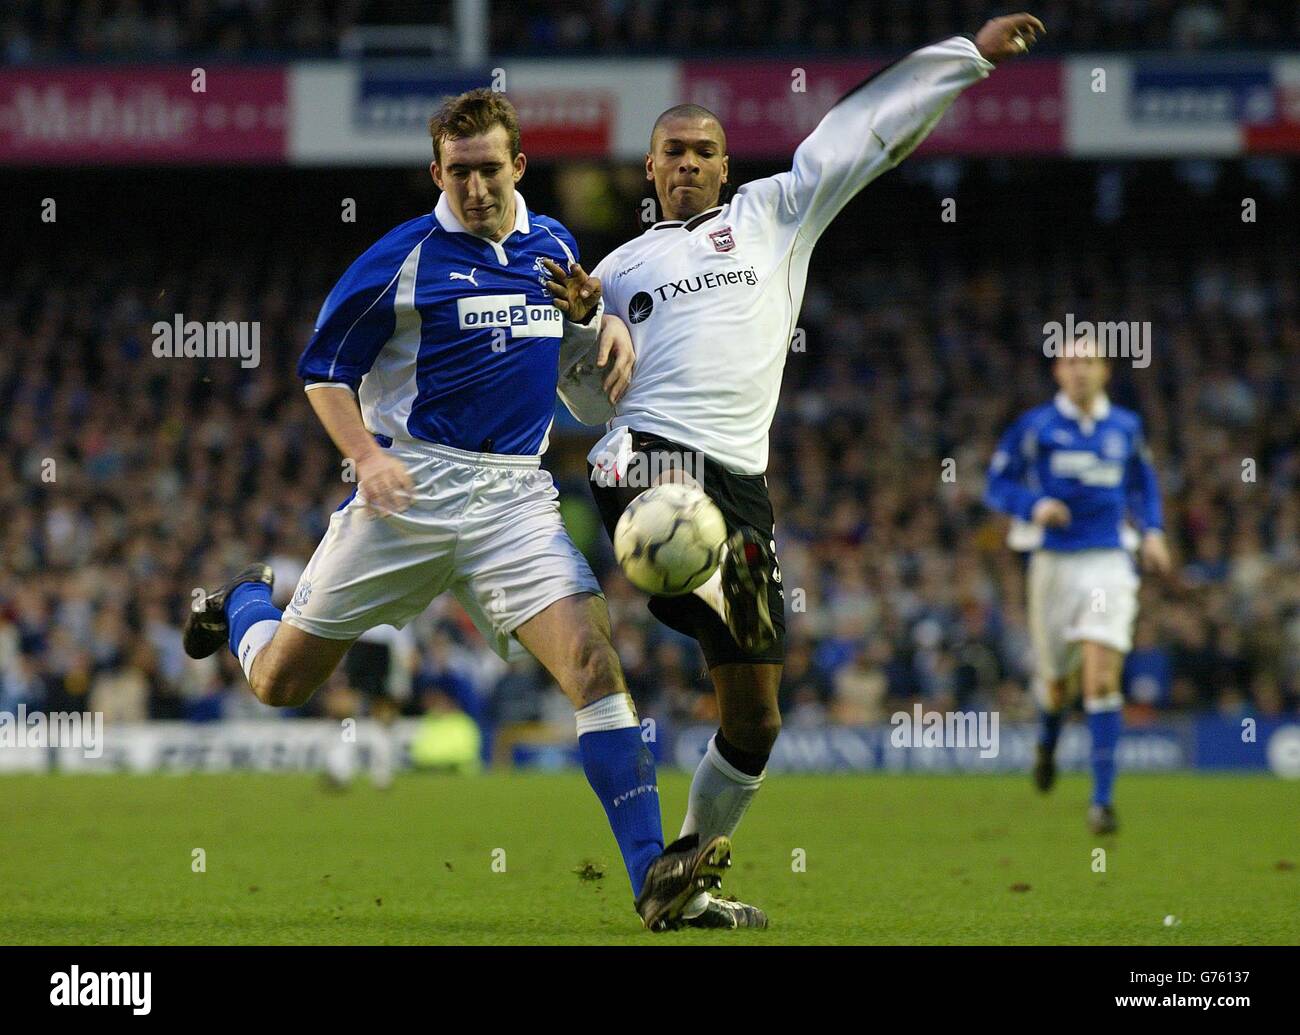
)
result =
(1099, 466)
(448, 337)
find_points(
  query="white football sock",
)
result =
(720, 795)
(615, 712)
(259, 634)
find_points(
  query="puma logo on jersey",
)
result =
(464, 276)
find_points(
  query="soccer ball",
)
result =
(669, 539)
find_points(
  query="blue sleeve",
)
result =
(1006, 489)
(355, 322)
(1141, 487)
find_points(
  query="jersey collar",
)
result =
(448, 221)
(1100, 409)
(690, 224)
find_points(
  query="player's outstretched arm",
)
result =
(383, 478)
(879, 123)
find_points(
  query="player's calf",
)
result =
(1103, 704)
(291, 667)
(1052, 695)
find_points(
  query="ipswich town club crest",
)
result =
(722, 240)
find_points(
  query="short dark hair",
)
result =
(472, 113)
(686, 111)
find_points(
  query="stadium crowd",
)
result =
(43, 30)
(128, 480)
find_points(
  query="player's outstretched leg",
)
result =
(1104, 707)
(571, 638)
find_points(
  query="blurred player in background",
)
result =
(1075, 468)
(434, 367)
(711, 294)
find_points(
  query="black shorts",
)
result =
(743, 500)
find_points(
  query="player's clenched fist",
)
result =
(385, 483)
(1008, 36)
(576, 293)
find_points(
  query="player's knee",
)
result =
(596, 670)
(1101, 688)
(755, 732)
(1100, 684)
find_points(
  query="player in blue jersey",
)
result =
(434, 368)
(1071, 472)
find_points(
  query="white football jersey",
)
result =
(711, 302)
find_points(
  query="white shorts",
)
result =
(1076, 596)
(484, 526)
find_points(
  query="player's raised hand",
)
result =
(1050, 513)
(615, 349)
(576, 293)
(385, 483)
(1155, 554)
(1008, 36)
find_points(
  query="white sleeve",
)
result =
(870, 131)
(580, 383)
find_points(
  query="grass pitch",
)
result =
(887, 859)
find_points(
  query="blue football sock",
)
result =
(621, 771)
(1104, 727)
(1049, 729)
(248, 604)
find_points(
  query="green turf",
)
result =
(890, 859)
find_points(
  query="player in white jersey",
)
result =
(711, 294)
